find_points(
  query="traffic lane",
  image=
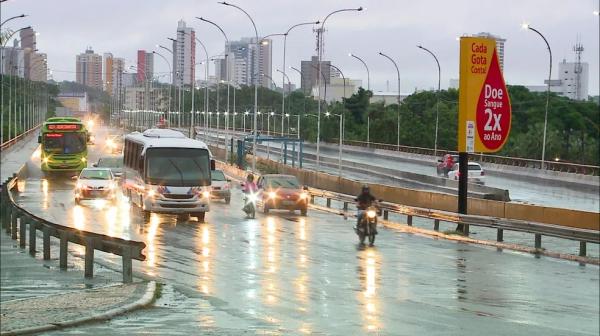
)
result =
(288, 271)
(521, 191)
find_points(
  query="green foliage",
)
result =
(572, 133)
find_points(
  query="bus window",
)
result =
(178, 167)
(64, 143)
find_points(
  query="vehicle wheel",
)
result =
(146, 215)
(183, 217)
(200, 215)
(77, 201)
(253, 213)
(265, 209)
(304, 211)
(227, 200)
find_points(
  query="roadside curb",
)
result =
(142, 302)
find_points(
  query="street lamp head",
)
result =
(596, 12)
(327, 114)
(287, 115)
(272, 113)
(317, 22)
(420, 46)
(525, 25)
(350, 54)
(246, 113)
(360, 9)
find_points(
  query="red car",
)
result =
(282, 192)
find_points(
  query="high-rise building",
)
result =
(145, 66)
(29, 45)
(184, 55)
(13, 59)
(499, 46)
(248, 62)
(89, 69)
(39, 67)
(310, 73)
(573, 78)
(108, 70)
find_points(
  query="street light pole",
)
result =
(320, 49)
(526, 26)
(283, 72)
(255, 86)
(437, 104)
(369, 89)
(170, 77)
(398, 73)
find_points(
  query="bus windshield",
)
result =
(65, 143)
(178, 167)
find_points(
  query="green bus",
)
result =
(63, 145)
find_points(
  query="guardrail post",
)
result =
(32, 233)
(538, 241)
(436, 225)
(409, 219)
(466, 230)
(127, 265)
(500, 235)
(329, 202)
(46, 245)
(345, 206)
(312, 199)
(64, 246)
(582, 249)
(22, 233)
(385, 215)
(9, 215)
(89, 258)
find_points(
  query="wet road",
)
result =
(286, 274)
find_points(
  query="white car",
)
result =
(220, 186)
(94, 183)
(476, 173)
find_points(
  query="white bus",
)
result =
(166, 172)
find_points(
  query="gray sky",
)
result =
(122, 27)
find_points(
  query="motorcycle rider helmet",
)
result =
(250, 178)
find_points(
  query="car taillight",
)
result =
(482, 173)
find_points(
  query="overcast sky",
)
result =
(395, 27)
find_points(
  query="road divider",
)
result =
(576, 225)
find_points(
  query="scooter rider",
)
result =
(250, 186)
(363, 201)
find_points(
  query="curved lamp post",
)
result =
(437, 105)
(369, 89)
(527, 26)
(398, 73)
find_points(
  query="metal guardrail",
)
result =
(500, 224)
(18, 138)
(502, 160)
(12, 214)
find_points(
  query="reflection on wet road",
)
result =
(284, 273)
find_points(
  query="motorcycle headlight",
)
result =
(205, 194)
(45, 160)
(151, 193)
(371, 214)
(252, 197)
(303, 195)
(272, 194)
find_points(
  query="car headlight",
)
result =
(272, 194)
(83, 159)
(151, 193)
(303, 195)
(45, 160)
(205, 194)
(79, 185)
(371, 214)
(110, 143)
(111, 186)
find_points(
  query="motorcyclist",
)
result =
(363, 201)
(250, 186)
(248, 189)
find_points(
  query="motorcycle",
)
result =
(250, 204)
(367, 225)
